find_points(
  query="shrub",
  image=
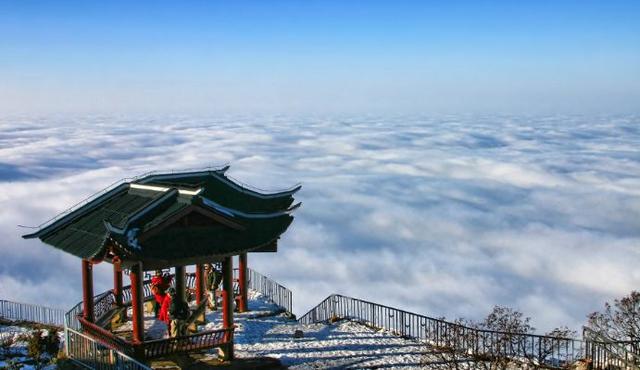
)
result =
(42, 348)
(6, 341)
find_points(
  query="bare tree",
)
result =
(616, 330)
(619, 322)
(503, 340)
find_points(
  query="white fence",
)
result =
(15, 311)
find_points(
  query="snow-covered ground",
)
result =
(344, 344)
(17, 348)
(323, 346)
(264, 332)
(15, 353)
(153, 328)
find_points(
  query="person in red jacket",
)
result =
(159, 285)
(163, 315)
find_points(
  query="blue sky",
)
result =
(397, 56)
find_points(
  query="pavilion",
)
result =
(168, 220)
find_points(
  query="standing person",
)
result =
(214, 277)
(178, 313)
(159, 285)
(164, 308)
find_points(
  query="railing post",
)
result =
(332, 308)
(66, 341)
(539, 350)
(373, 315)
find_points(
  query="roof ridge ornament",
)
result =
(132, 238)
(165, 188)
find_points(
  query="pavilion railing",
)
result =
(71, 316)
(104, 303)
(552, 352)
(15, 311)
(270, 289)
(159, 347)
(146, 292)
(190, 280)
(202, 340)
(86, 352)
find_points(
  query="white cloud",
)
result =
(439, 215)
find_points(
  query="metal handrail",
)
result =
(16, 311)
(605, 351)
(590, 333)
(270, 289)
(86, 352)
(476, 343)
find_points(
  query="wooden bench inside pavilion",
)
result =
(167, 221)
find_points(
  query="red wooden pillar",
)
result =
(199, 283)
(242, 283)
(227, 299)
(137, 303)
(117, 281)
(87, 290)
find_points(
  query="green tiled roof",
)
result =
(164, 218)
(225, 191)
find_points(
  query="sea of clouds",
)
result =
(441, 215)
